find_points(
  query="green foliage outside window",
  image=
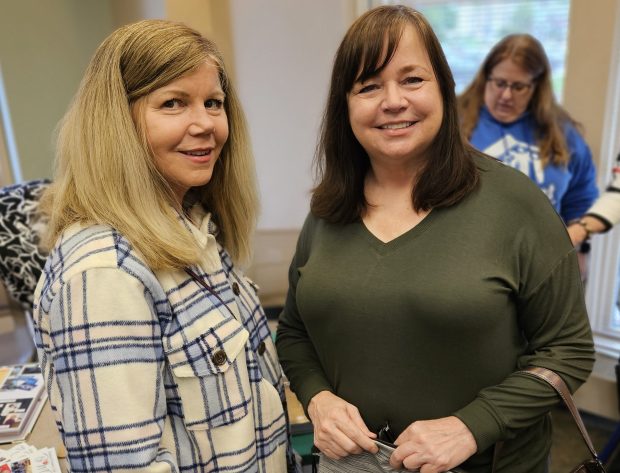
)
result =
(468, 29)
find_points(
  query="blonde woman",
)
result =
(509, 111)
(155, 349)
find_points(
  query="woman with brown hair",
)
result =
(423, 279)
(509, 112)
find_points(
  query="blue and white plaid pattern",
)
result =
(146, 371)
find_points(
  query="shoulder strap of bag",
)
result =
(558, 384)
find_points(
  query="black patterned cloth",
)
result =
(21, 259)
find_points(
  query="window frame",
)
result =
(10, 170)
(603, 283)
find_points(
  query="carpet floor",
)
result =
(568, 448)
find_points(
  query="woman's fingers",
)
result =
(359, 438)
(434, 445)
(341, 434)
(340, 444)
(404, 451)
(411, 459)
(355, 416)
(338, 427)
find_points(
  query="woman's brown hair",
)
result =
(342, 163)
(526, 52)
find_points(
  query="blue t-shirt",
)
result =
(570, 188)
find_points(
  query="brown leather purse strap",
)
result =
(558, 384)
(496, 452)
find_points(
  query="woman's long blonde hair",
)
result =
(550, 118)
(105, 172)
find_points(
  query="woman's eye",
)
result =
(413, 80)
(172, 103)
(214, 104)
(367, 88)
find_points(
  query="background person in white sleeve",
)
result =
(604, 214)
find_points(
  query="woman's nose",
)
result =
(393, 98)
(201, 122)
(506, 93)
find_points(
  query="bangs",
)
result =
(159, 64)
(378, 47)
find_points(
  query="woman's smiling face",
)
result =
(187, 127)
(397, 114)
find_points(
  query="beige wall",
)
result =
(44, 48)
(590, 39)
(46, 45)
(211, 18)
(128, 11)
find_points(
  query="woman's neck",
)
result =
(392, 177)
(388, 191)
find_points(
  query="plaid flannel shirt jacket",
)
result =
(146, 371)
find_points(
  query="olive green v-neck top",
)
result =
(435, 322)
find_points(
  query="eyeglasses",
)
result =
(517, 88)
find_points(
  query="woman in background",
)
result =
(426, 275)
(154, 347)
(605, 213)
(509, 112)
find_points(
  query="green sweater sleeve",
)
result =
(295, 349)
(554, 321)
